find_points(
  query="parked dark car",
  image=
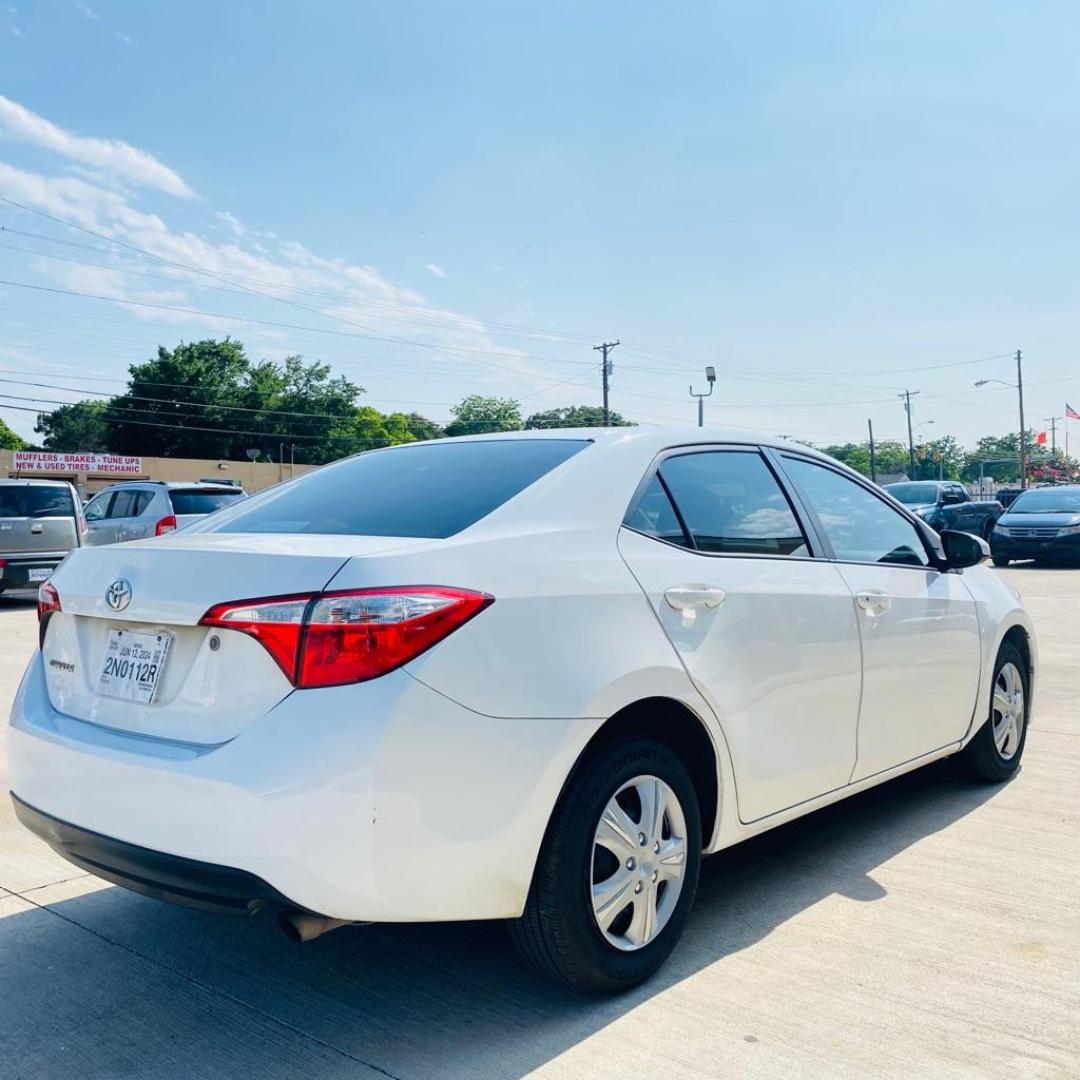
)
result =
(945, 504)
(1042, 524)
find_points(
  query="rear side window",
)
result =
(38, 502)
(202, 502)
(732, 504)
(124, 505)
(432, 489)
(654, 515)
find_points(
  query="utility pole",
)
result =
(907, 395)
(873, 459)
(1052, 421)
(1023, 447)
(710, 378)
(606, 371)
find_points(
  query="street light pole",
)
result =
(1023, 446)
(710, 376)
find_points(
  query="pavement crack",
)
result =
(216, 991)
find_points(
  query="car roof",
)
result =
(33, 481)
(644, 436)
(173, 485)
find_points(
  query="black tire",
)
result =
(1000, 560)
(980, 759)
(558, 934)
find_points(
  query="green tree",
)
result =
(999, 456)
(9, 440)
(890, 456)
(206, 399)
(575, 416)
(78, 428)
(476, 414)
(420, 427)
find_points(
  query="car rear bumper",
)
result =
(153, 873)
(380, 802)
(15, 568)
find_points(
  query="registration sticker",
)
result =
(134, 662)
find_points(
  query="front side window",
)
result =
(97, 507)
(732, 504)
(859, 526)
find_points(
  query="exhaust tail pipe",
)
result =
(304, 926)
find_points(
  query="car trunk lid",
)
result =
(214, 682)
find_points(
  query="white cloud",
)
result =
(88, 11)
(16, 31)
(234, 224)
(117, 158)
(122, 37)
(437, 270)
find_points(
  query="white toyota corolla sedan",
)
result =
(531, 676)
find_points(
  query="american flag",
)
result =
(1070, 412)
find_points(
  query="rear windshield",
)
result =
(430, 490)
(37, 502)
(913, 494)
(202, 502)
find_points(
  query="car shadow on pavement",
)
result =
(154, 990)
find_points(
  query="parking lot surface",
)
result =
(928, 928)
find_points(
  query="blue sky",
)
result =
(828, 202)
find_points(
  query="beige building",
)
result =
(92, 472)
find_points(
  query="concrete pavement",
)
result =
(925, 929)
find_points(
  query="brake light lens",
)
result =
(48, 600)
(165, 525)
(337, 638)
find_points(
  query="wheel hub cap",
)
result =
(1007, 711)
(639, 861)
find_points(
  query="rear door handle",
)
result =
(691, 597)
(873, 603)
(37, 528)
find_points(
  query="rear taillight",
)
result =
(165, 525)
(48, 602)
(335, 638)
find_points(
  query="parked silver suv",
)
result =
(136, 510)
(40, 522)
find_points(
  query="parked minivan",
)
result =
(144, 508)
(40, 522)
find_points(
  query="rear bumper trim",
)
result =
(173, 878)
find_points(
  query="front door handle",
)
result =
(691, 597)
(873, 603)
(37, 528)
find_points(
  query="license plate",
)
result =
(38, 573)
(134, 661)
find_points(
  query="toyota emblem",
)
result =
(118, 594)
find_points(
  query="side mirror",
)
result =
(963, 549)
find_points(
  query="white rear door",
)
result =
(767, 633)
(919, 627)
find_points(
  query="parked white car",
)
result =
(530, 676)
